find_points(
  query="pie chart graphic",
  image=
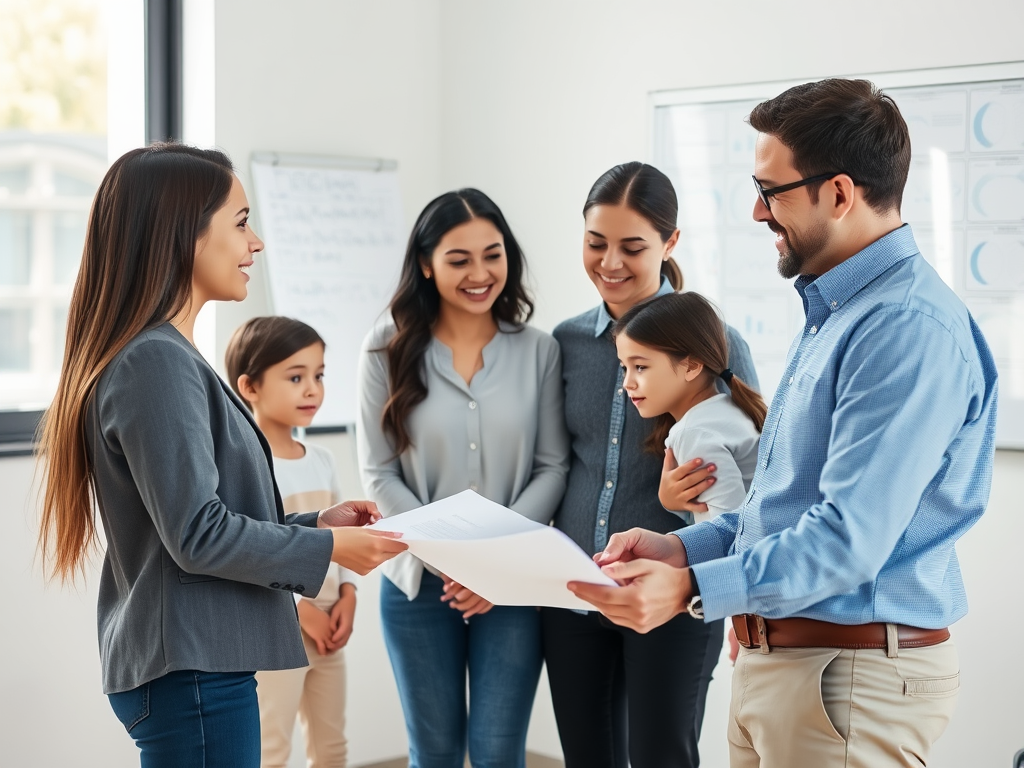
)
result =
(979, 124)
(998, 264)
(997, 123)
(999, 196)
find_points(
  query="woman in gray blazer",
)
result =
(201, 562)
(457, 393)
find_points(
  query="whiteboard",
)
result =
(334, 244)
(964, 199)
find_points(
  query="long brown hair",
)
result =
(645, 190)
(150, 210)
(416, 303)
(685, 325)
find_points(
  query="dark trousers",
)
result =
(624, 699)
(191, 719)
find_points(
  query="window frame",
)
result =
(164, 109)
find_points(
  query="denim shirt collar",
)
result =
(845, 280)
(604, 319)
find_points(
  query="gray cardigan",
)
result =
(503, 435)
(200, 565)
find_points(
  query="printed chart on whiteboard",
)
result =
(964, 199)
(334, 246)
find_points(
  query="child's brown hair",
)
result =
(687, 325)
(263, 342)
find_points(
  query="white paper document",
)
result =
(499, 554)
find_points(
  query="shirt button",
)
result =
(601, 523)
(835, 304)
(615, 441)
(790, 379)
(814, 329)
(472, 405)
(620, 390)
(472, 446)
(608, 484)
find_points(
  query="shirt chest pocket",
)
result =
(803, 404)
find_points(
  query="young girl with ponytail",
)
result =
(674, 351)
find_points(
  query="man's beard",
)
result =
(799, 250)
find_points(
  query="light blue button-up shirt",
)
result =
(876, 456)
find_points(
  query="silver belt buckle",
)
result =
(762, 634)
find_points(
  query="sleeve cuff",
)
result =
(702, 543)
(723, 587)
(306, 519)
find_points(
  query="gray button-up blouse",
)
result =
(503, 435)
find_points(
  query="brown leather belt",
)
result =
(754, 631)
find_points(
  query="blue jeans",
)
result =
(431, 650)
(191, 719)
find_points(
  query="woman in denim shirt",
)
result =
(603, 676)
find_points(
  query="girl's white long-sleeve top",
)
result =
(718, 432)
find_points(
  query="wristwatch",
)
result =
(696, 606)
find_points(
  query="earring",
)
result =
(426, 273)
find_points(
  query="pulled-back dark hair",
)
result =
(645, 190)
(416, 303)
(844, 126)
(263, 342)
(687, 325)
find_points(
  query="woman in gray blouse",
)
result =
(600, 673)
(456, 393)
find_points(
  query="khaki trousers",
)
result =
(833, 708)
(317, 695)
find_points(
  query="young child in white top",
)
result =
(276, 365)
(674, 350)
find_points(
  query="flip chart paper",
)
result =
(499, 554)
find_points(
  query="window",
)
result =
(71, 99)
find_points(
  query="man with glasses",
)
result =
(876, 456)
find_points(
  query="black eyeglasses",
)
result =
(767, 194)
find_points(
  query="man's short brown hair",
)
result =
(846, 126)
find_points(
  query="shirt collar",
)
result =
(604, 319)
(845, 280)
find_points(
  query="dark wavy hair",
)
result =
(687, 325)
(416, 303)
(645, 190)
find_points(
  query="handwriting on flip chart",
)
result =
(334, 240)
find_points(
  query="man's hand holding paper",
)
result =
(655, 582)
